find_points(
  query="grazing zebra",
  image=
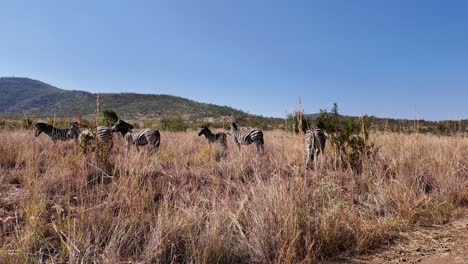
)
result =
(247, 137)
(72, 132)
(315, 141)
(212, 138)
(142, 137)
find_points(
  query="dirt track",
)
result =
(431, 245)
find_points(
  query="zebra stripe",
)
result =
(101, 136)
(213, 138)
(315, 141)
(62, 134)
(144, 137)
(247, 137)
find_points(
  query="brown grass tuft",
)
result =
(191, 202)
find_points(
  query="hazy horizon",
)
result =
(398, 59)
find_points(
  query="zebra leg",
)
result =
(151, 148)
(259, 148)
(316, 157)
(309, 158)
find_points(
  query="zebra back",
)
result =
(246, 137)
(143, 137)
(57, 133)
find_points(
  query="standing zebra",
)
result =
(72, 132)
(315, 141)
(212, 138)
(142, 137)
(247, 137)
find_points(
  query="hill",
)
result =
(23, 96)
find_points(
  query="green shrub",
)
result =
(108, 118)
(176, 123)
(348, 136)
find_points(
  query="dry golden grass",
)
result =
(194, 203)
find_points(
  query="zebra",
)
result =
(247, 137)
(104, 141)
(142, 137)
(212, 138)
(99, 139)
(62, 134)
(315, 141)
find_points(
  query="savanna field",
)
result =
(191, 202)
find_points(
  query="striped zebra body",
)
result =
(104, 136)
(99, 140)
(315, 141)
(247, 137)
(104, 141)
(219, 137)
(62, 134)
(142, 137)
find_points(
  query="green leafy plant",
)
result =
(108, 118)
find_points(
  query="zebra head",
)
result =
(122, 127)
(41, 128)
(203, 131)
(233, 126)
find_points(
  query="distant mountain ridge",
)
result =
(33, 98)
(23, 96)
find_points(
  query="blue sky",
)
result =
(403, 59)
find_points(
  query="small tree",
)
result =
(108, 118)
(348, 136)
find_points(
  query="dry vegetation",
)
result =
(192, 203)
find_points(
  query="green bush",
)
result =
(176, 123)
(348, 136)
(108, 118)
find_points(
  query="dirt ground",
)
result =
(436, 244)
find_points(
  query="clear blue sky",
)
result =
(385, 58)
